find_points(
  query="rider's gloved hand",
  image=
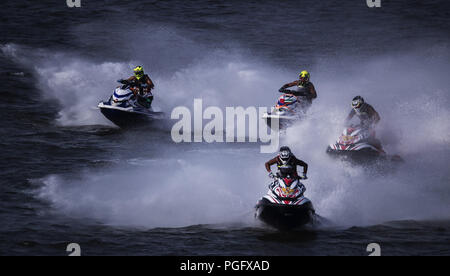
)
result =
(282, 90)
(304, 177)
(271, 175)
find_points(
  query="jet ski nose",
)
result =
(288, 181)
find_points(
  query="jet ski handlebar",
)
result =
(278, 176)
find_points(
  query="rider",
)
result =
(287, 164)
(368, 116)
(142, 83)
(304, 87)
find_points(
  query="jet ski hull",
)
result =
(358, 145)
(377, 161)
(366, 154)
(129, 118)
(284, 217)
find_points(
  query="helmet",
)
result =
(304, 76)
(285, 154)
(138, 72)
(357, 102)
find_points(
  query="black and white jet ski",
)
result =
(284, 206)
(127, 109)
(359, 145)
(289, 109)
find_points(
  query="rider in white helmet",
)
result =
(368, 117)
(364, 111)
(287, 164)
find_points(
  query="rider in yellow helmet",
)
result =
(304, 87)
(141, 78)
(141, 84)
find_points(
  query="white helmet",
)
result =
(357, 102)
(285, 154)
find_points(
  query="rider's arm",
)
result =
(374, 115)
(150, 83)
(313, 91)
(287, 85)
(270, 163)
(303, 164)
(132, 78)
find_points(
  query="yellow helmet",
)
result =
(138, 72)
(304, 76)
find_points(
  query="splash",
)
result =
(218, 76)
(169, 192)
(76, 84)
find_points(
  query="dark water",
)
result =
(68, 176)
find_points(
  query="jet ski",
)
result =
(284, 206)
(359, 145)
(127, 108)
(289, 109)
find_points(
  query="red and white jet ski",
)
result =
(355, 138)
(285, 206)
(360, 145)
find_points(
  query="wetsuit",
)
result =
(290, 167)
